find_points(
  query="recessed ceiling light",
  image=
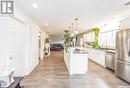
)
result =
(35, 5)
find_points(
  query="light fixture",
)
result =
(76, 30)
(71, 29)
(128, 3)
(72, 34)
(46, 24)
(34, 5)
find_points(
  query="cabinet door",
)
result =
(100, 57)
(90, 37)
(103, 39)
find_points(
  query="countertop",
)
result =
(111, 51)
(79, 51)
(104, 49)
(101, 48)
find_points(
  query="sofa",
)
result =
(56, 47)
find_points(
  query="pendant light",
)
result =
(76, 30)
(72, 34)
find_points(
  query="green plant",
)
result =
(47, 40)
(67, 40)
(96, 30)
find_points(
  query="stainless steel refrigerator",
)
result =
(122, 63)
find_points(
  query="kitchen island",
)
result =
(76, 60)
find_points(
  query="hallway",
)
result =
(52, 73)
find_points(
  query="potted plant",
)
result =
(47, 47)
(67, 40)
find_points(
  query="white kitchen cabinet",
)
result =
(103, 39)
(107, 39)
(97, 55)
(76, 62)
(90, 37)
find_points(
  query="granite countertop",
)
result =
(80, 51)
(101, 48)
(105, 49)
(111, 51)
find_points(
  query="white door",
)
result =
(17, 46)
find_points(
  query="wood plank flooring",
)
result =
(52, 73)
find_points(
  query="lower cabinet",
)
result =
(97, 55)
(76, 62)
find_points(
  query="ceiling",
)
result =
(59, 14)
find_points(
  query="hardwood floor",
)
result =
(52, 73)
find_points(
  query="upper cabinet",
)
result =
(107, 34)
(107, 39)
(90, 37)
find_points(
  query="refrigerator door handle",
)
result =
(128, 46)
(117, 54)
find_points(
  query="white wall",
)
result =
(3, 43)
(57, 40)
(19, 41)
(43, 39)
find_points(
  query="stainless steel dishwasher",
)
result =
(110, 59)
